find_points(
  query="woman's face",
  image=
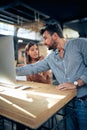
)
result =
(33, 52)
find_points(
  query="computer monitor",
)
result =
(7, 64)
(7, 58)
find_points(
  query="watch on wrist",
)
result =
(76, 83)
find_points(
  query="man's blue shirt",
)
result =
(70, 68)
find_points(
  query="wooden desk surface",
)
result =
(32, 107)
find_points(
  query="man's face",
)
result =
(49, 40)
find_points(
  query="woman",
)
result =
(32, 56)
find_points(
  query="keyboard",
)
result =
(19, 86)
(10, 85)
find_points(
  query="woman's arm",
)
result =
(43, 77)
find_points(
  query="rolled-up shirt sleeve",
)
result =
(29, 69)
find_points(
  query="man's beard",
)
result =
(50, 48)
(53, 46)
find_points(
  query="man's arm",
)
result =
(70, 85)
(34, 68)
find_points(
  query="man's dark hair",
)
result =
(52, 28)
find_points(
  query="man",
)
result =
(68, 62)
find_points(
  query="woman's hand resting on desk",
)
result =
(66, 86)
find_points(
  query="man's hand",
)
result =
(66, 86)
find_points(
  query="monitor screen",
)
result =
(7, 67)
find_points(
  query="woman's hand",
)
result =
(19, 65)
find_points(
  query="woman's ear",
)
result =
(27, 52)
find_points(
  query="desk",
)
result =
(34, 106)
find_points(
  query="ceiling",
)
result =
(71, 13)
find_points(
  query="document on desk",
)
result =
(21, 78)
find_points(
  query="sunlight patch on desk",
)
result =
(5, 100)
(16, 106)
(50, 98)
(23, 110)
(55, 96)
(51, 101)
(17, 94)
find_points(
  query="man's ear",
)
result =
(55, 35)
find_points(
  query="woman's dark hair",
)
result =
(27, 47)
(52, 28)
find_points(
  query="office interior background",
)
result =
(23, 19)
